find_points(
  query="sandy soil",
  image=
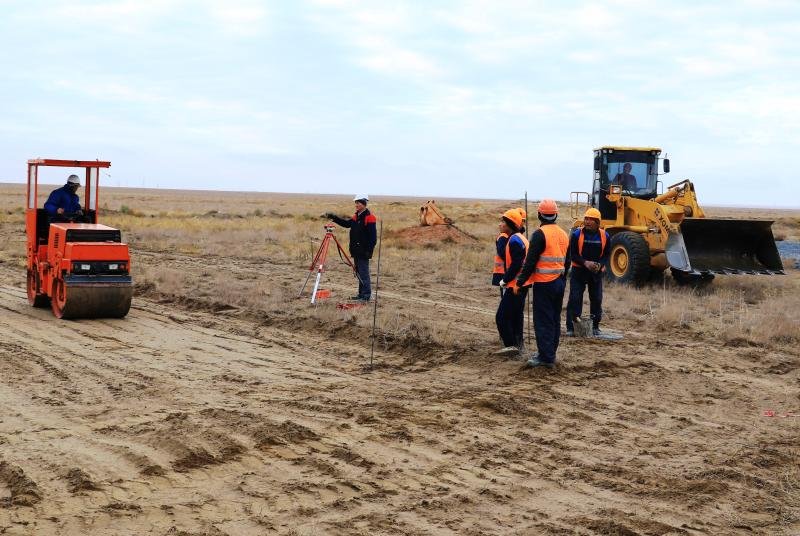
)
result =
(190, 418)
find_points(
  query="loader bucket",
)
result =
(81, 299)
(724, 247)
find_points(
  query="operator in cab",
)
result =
(626, 179)
(63, 204)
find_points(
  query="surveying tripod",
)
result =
(318, 264)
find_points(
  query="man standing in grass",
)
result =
(544, 270)
(589, 245)
(363, 237)
(510, 316)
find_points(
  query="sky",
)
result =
(472, 98)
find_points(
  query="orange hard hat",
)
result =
(523, 213)
(592, 213)
(548, 207)
(514, 217)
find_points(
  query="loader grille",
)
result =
(94, 235)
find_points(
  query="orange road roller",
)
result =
(76, 265)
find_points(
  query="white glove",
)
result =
(503, 283)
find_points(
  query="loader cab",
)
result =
(633, 168)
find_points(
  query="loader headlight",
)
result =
(113, 266)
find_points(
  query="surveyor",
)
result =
(510, 316)
(363, 237)
(589, 252)
(63, 203)
(545, 269)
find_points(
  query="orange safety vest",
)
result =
(513, 282)
(602, 233)
(499, 267)
(551, 263)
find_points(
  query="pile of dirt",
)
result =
(431, 235)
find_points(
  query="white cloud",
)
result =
(386, 57)
(243, 18)
(379, 37)
(109, 90)
(125, 16)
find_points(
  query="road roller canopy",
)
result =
(90, 181)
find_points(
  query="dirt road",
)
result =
(179, 422)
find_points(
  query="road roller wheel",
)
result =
(96, 300)
(59, 299)
(34, 297)
(629, 258)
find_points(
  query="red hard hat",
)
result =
(548, 207)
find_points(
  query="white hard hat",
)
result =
(359, 197)
(74, 179)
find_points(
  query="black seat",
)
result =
(42, 226)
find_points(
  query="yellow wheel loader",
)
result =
(652, 231)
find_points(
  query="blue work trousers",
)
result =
(547, 302)
(364, 285)
(510, 317)
(579, 279)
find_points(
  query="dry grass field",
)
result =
(226, 405)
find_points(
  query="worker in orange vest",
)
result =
(589, 247)
(545, 269)
(500, 247)
(499, 260)
(511, 311)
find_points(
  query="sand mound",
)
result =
(432, 235)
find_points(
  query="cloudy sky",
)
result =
(437, 98)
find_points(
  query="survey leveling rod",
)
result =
(377, 286)
(529, 308)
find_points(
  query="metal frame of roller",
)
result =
(652, 231)
(80, 269)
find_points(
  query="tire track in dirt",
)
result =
(245, 430)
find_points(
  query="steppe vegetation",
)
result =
(226, 405)
(250, 253)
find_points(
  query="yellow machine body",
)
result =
(652, 231)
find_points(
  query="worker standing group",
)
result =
(542, 265)
(512, 246)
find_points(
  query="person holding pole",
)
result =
(363, 237)
(544, 270)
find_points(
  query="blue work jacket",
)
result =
(62, 198)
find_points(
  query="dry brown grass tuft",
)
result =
(249, 252)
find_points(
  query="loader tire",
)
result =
(628, 259)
